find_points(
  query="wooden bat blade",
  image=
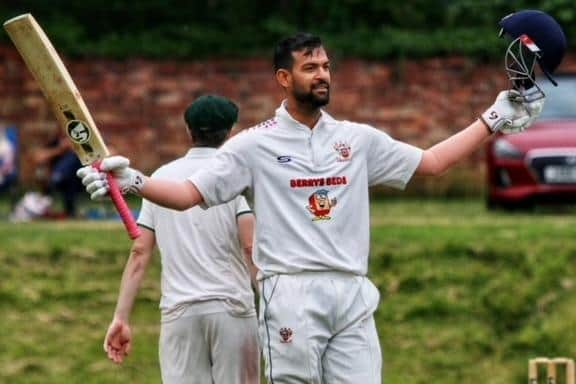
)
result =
(59, 89)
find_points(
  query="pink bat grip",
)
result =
(121, 206)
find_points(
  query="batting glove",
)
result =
(510, 113)
(533, 109)
(128, 179)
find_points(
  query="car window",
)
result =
(560, 101)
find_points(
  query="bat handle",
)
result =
(121, 206)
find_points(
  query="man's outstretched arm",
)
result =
(179, 195)
(443, 155)
(508, 114)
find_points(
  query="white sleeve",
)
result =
(146, 216)
(227, 174)
(390, 162)
(242, 206)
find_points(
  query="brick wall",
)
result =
(138, 104)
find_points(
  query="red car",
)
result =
(539, 164)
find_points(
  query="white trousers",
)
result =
(210, 348)
(318, 327)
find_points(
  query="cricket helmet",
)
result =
(536, 37)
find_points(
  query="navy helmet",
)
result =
(539, 34)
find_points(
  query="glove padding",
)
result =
(511, 113)
(94, 180)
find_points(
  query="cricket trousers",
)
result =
(212, 346)
(318, 327)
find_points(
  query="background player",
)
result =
(209, 327)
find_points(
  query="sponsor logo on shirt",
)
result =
(320, 205)
(318, 182)
(343, 150)
(284, 159)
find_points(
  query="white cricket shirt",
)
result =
(310, 188)
(200, 250)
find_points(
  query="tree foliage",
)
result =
(364, 28)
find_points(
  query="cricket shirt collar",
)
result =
(200, 152)
(283, 115)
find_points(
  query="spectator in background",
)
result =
(8, 174)
(57, 165)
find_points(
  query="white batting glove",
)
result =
(533, 109)
(128, 179)
(510, 113)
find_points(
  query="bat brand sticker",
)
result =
(78, 131)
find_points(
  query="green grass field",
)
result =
(467, 296)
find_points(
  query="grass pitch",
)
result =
(467, 296)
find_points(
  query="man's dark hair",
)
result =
(302, 41)
(210, 119)
(209, 139)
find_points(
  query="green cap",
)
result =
(211, 113)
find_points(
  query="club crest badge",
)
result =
(285, 335)
(343, 150)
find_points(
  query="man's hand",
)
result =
(118, 341)
(510, 113)
(129, 179)
(532, 107)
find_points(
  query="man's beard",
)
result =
(310, 98)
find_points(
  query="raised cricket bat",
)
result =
(59, 89)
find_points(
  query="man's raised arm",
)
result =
(510, 113)
(179, 195)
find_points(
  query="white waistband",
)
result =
(315, 274)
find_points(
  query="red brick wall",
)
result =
(138, 104)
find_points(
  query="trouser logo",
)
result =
(551, 369)
(286, 335)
